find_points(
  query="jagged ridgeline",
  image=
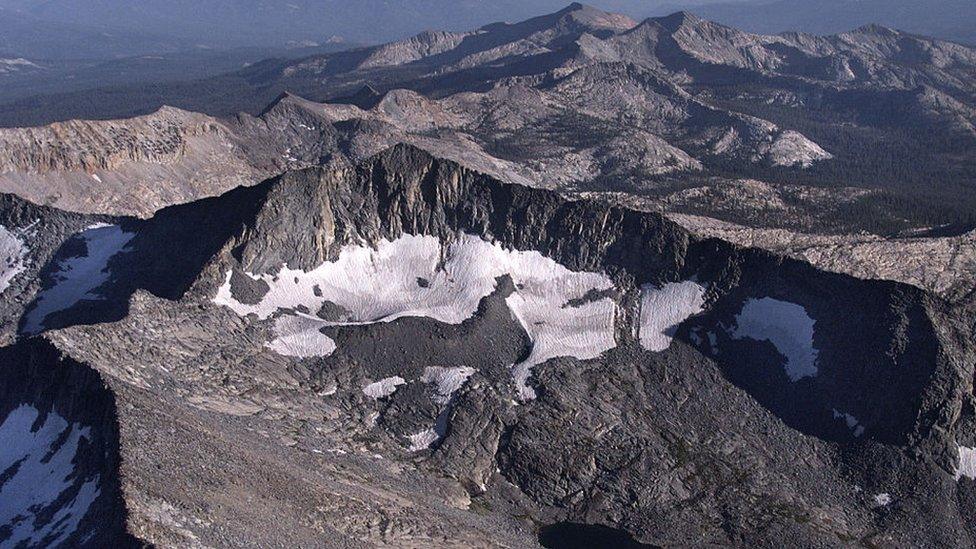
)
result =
(487, 352)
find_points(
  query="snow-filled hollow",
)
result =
(300, 336)
(418, 276)
(78, 278)
(662, 310)
(40, 502)
(787, 326)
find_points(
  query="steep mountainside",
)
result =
(406, 352)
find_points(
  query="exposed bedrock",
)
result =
(508, 352)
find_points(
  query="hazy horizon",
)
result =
(112, 29)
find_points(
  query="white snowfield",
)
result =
(787, 326)
(77, 278)
(967, 463)
(45, 473)
(384, 387)
(663, 309)
(417, 276)
(13, 253)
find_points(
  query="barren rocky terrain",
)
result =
(659, 283)
(414, 413)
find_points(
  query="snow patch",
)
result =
(300, 336)
(40, 502)
(13, 65)
(967, 463)
(446, 380)
(787, 326)
(382, 284)
(77, 278)
(663, 309)
(852, 423)
(882, 500)
(423, 440)
(384, 387)
(13, 253)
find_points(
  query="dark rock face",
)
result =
(790, 406)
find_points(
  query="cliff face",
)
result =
(409, 324)
(131, 166)
(104, 145)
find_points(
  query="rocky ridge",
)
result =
(685, 416)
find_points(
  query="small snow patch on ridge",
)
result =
(423, 440)
(967, 463)
(663, 309)
(13, 252)
(787, 326)
(384, 387)
(852, 423)
(446, 380)
(882, 500)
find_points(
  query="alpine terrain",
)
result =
(579, 281)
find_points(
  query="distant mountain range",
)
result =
(948, 19)
(23, 34)
(85, 28)
(580, 100)
(59, 29)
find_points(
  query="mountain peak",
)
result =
(674, 22)
(365, 98)
(874, 29)
(678, 20)
(595, 17)
(283, 97)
